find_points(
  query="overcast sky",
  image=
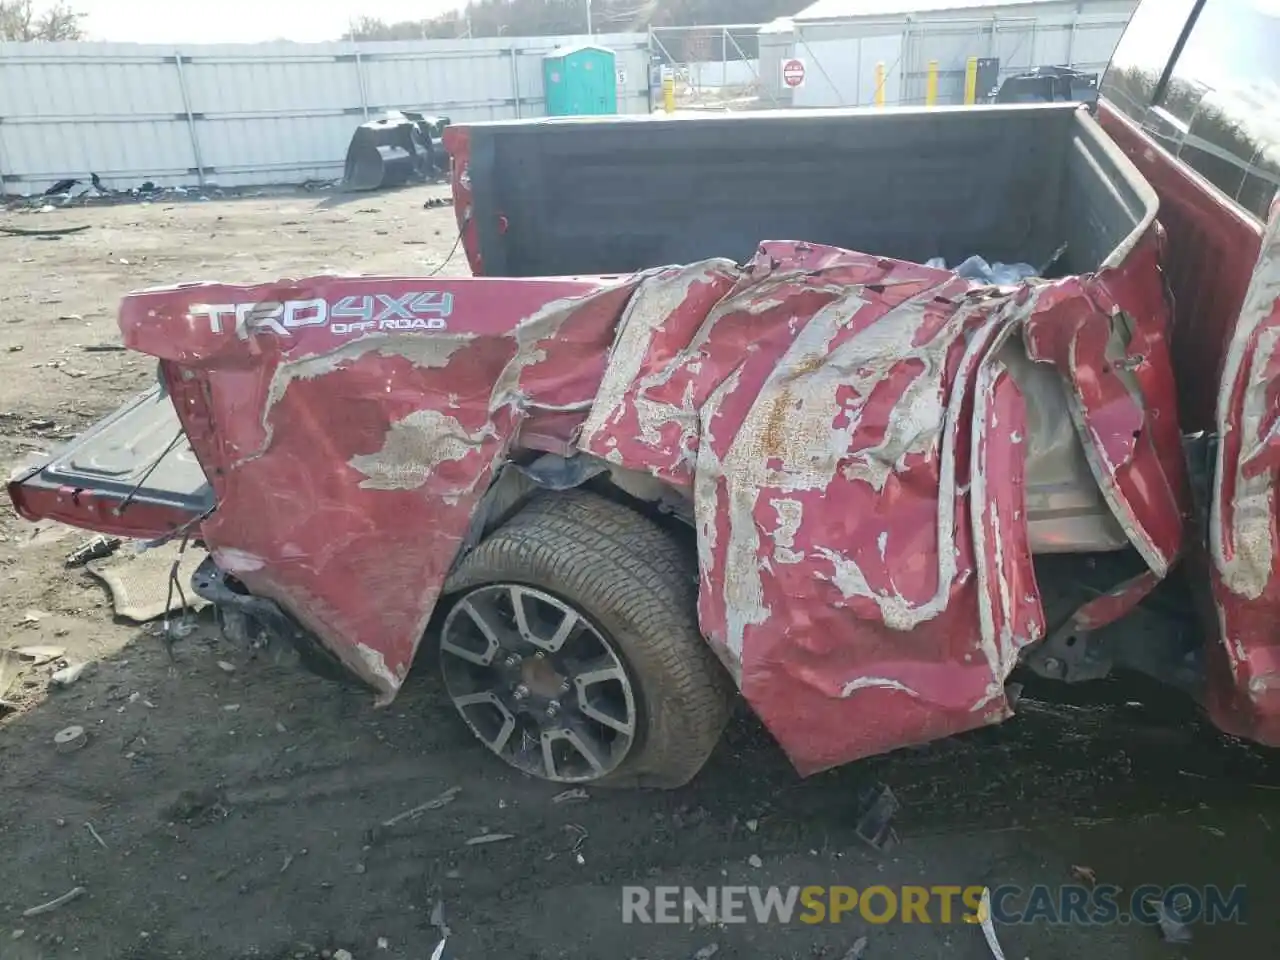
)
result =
(242, 21)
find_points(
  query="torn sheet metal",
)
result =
(850, 440)
(858, 475)
(1244, 668)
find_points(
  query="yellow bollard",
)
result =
(931, 85)
(880, 84)
(669, 92)
(971, 81)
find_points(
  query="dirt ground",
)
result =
(217, 814)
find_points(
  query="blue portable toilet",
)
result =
(580, 81)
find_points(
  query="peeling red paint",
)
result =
(826, 532)
(361, 564)
(850, 440)
(1244, 666)
(1115, 603)
(1108, 337)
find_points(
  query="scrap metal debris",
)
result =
(39, 656)
(95, 549)
(857, 951)
(437, 921)
(58, 232)
(72, 894)
(571, 796)
(490, 838)
(580, 836)
(89, 826)
(397, 148)
(12, 666)
(875, 823)
(436, 803)
(1084, 875)
(707, 952)
(1172, 928)
(988, 925)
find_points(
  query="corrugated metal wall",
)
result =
(1079, 33)
(254, 114)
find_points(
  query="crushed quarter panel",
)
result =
(851, 444)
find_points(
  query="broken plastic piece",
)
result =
(999, 274)
(69, 675)
(1172, 928)
(988, 926)
(54, 904)
(875, 823)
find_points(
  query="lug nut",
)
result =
(520, 692)
(565, 685)
(513, 660)
(553, 708)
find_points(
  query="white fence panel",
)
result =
(1082, 40)
(255, 114)
(843, 72)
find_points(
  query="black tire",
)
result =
(639, 586)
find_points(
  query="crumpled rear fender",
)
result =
(347, 461)
(855, 449)
(843, 424)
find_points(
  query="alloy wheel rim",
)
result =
(538, 682)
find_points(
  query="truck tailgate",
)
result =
(131, 474)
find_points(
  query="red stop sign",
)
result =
(793, 73)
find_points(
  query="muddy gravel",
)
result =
(262, 812)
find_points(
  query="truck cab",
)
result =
(1192, 96)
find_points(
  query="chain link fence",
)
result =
(903, 61)
(715, 67)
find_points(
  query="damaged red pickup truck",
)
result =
(863, 490)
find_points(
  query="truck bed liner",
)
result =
(612, 195)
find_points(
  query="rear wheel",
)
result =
(572, 648)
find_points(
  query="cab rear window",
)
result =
(1213, 100)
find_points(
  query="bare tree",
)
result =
(20, 21)
(513, 18)
(371, 28)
